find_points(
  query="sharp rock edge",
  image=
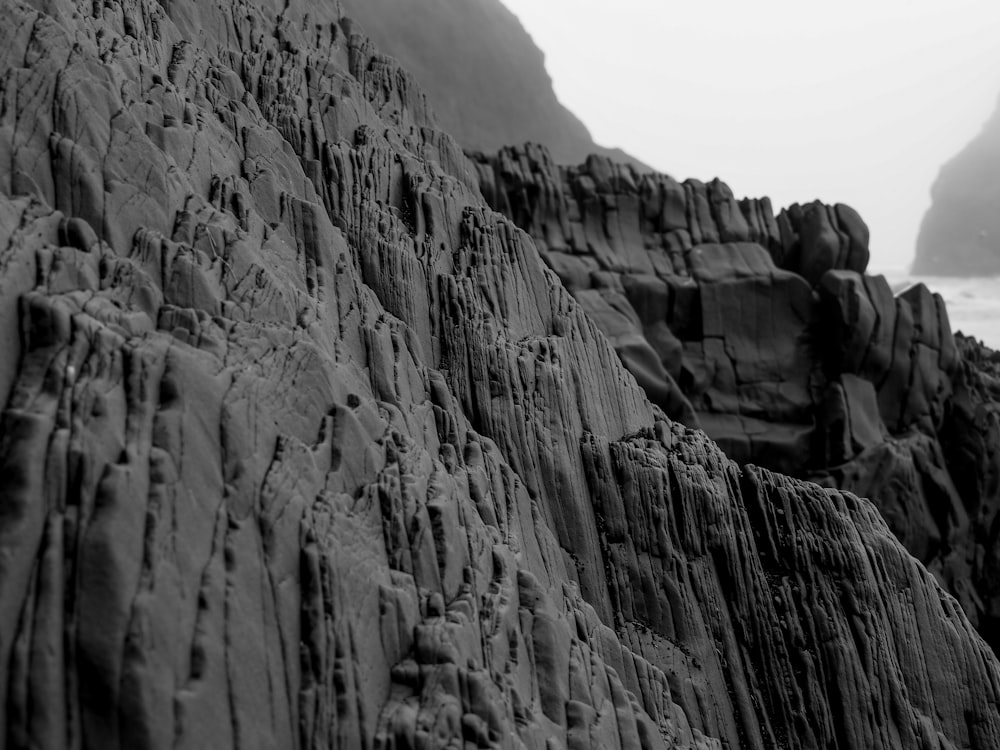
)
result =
(304, 446)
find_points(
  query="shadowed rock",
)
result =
(768, 330)
(482, 71)
(304, 446)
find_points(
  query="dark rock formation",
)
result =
(960, 233)
(765, 331)
(483, 73)
(303, 445)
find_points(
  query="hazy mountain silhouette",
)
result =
(482, 71)
(960, 233)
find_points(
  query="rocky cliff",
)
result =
(303, 445)
(960, 233)
(482, 72)
(764, 329)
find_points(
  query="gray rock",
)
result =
(776, 343)
(481, 70)
(310, 448)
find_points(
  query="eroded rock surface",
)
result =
(304, 446)
(765, 330)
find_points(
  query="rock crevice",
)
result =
(303, 445)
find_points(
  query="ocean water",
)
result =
(973, 304)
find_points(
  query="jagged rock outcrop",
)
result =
(483, 73)
(303, 445)
(764, 330)
(960, 233)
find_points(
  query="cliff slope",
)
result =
(483, 73)
(304, 446)
(765, 330)
(960, 233)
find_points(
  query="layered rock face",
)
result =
(764, 330)
(481, 70)
(960, 233)
(304, 446)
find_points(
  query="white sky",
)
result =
(858, 102)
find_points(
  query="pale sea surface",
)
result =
(973, 304)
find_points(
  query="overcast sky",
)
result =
(858, 102)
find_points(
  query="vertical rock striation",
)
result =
(304, 446)
(765, 330)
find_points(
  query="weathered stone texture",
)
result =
(304, 446)
(765, 331)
